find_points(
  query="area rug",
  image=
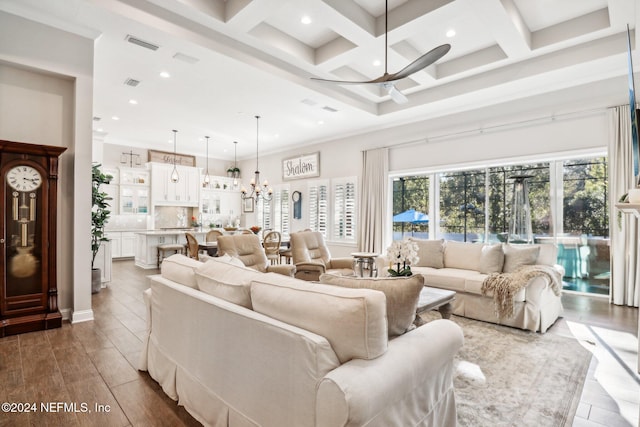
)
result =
(510, 377)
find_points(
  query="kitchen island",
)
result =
(147, 243)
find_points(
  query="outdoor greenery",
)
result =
(464, 207)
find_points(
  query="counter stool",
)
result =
(168, 247)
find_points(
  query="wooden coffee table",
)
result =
(434, 299)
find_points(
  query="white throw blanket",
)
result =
(505, 285)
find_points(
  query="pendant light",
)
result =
(236, 171)
(258, 191)
(207, 178)
(174, 174)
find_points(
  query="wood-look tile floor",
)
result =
(95, 364)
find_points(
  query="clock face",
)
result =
(24, 178)
(295, 196)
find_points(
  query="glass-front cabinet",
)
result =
(134, 199)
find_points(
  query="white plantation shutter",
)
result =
(344, 209)
(281, 210)
(263, 215)
(319, 206)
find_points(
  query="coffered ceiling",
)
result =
(231, 60)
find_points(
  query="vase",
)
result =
(634, 195)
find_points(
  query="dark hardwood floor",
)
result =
(95, 364)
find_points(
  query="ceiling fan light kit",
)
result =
(386, 80)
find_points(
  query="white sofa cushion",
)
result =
(402, 295)
(227, 281)
(491, 259)
(352, 320)
(180, 269)
(515, 256)
(430, 253)
(462, 255)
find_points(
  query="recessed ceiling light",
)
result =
(377, 63)
(115, 118)
(320, 122)
(100, 130)
(306, 20)
(133, 101)
(451, 33)
(170, 141)
(165, 75)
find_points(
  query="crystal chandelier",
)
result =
(174, 174)
(258, 191)
(205, 182)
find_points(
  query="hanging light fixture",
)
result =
(258, 190)
(207, 178)
(236, 171)
(174, 174)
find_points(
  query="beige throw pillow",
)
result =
(180, 269)
(352, 320)
(227, 281)
(402, 296)
(492, 259)
(516, 256)
(430, 253)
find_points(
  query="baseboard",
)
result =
(81, 316)
(66, 313)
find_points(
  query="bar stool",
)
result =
(168, 247)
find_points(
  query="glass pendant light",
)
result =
(207, 178)
(174, 174)
(258, 190)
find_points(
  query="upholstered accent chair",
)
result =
(312, 258)
(248, 249)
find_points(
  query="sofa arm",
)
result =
(337, 263)
(287, 270)
(413, 369)
(541, 285)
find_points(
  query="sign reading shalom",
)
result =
(304, 166)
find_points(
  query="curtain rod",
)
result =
(482, 130)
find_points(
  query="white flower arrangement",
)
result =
(403, 252)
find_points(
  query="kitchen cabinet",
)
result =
(136, 176)
(134, 199)
(185, 192)
(147, 244)
(123, 244)
(113, 192)
(220, 197)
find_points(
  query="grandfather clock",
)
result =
(28, 287)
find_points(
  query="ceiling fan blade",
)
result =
(424, 61)
(395, 94)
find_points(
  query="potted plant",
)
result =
(233, 172)
(99, 216)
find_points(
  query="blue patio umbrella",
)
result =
(412, 216)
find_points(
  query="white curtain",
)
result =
(373, 199)
(625, 249)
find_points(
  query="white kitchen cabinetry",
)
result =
(220, 198)
(113, 192)
(134, 199)
(185, 192)
(123, 244)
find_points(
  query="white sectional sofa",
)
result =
(240, 348)
(462, 267)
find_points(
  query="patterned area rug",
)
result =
(509, 377)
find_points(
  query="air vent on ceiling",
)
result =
(132, 82)
(308, 101)
(185, 58)
(142, 43)
(330, 109)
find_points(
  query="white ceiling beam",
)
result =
(503, 21)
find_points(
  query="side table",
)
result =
(364, 264)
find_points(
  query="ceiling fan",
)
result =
(386, 80)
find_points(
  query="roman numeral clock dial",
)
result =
(24, 178)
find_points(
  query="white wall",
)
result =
(46, 97)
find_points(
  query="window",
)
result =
(410, 192)
(319, 206)
(462, 205)
(344, 209)
(281, 210)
